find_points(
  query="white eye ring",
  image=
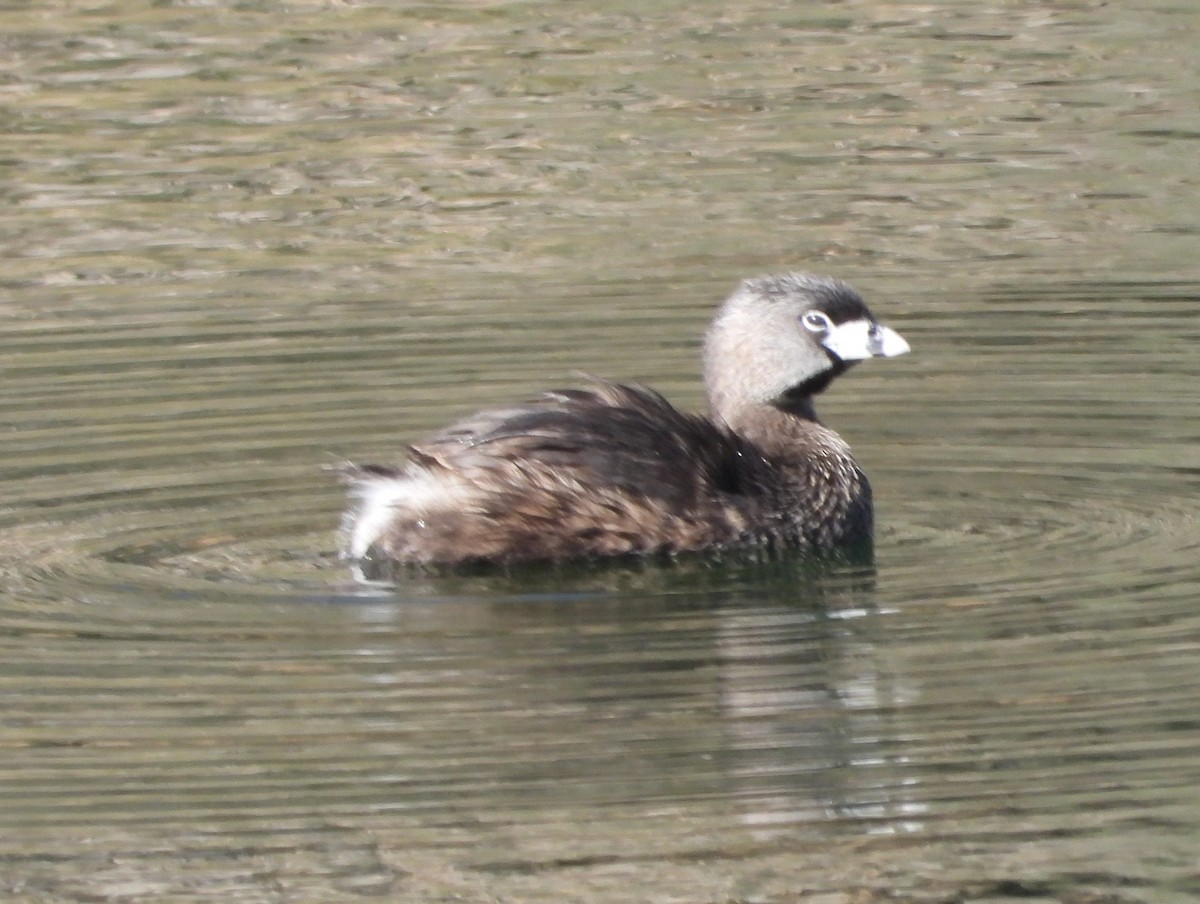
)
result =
(816, 321)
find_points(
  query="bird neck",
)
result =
(784, 429)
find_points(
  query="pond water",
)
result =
(244, 241)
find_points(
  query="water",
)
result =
(246, 241)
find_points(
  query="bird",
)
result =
(615, 470)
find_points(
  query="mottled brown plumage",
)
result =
(616, 470)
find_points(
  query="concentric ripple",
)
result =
(169, 549)
(244, 242)
(1064, 536)
(170, 468)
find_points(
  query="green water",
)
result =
(244, 241)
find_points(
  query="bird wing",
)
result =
(611, 435)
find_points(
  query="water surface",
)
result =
(244, 241)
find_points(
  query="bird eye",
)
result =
(816, 321)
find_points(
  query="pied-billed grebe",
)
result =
(616, 470)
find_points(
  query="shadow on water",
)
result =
(741, 691)
(777, 578)
(237, 244)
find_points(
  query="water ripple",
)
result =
(169, 549)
